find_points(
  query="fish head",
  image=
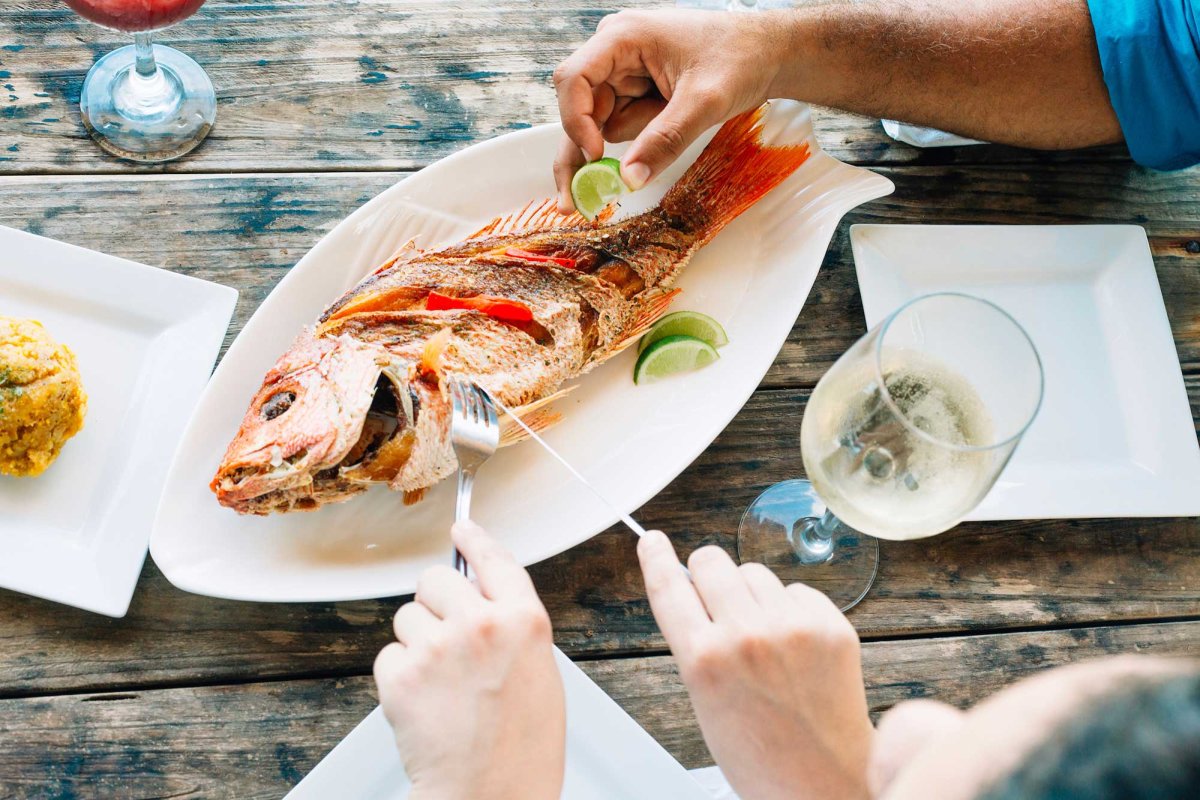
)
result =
(304, 420)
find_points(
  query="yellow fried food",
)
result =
(42, 402)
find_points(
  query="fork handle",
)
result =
(462, 510)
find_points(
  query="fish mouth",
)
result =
(326, 487)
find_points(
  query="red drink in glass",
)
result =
(135, 15)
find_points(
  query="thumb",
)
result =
(686, 116)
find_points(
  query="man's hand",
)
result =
(774, 674)
(663, 77)
(1022, 72)
(471, 686)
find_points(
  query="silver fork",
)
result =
(475, 435)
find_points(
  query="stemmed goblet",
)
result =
(145, 102)
(902, 438)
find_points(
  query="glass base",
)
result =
(844, 573)
(148, 119)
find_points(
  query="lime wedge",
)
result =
(671, 355)
(596, 185)
(686, 323)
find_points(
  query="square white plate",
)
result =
(609, 757)
(1114, 437)
(146, 340)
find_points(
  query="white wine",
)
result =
(879, 475)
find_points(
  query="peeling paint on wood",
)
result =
(337, 98)
(257, 740)
(300, 78)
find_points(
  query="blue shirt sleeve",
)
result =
(1150, 54)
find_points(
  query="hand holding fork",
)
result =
(475, 435)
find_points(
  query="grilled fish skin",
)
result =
(358, 399)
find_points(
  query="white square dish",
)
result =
(609, 756)
(146, 340)
(1115, 436)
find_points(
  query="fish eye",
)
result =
(277, 404)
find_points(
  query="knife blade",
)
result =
(629, 521)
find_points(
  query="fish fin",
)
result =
(402, 250)
(534, 217)
(651, 311)
(536, 415)
(735, 170)
(538, 421)
(414, 496)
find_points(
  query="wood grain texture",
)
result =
(246, 231)
(351, 85)
(362, 91)
(251, 741)
(981, 576)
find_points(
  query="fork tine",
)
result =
(468, 403)
(488, 407)
(480, 405)
(477, 412)
(477, 409)
(456, 397)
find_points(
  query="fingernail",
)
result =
(656, 539)
(635, 175)
(466, 527)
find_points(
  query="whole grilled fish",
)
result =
(521, 306)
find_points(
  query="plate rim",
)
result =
(110, 587)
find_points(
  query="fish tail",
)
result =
(732, 174)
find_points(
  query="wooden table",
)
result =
(323, 103)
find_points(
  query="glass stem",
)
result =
(147, 91)
(145, 64)
(813, 538)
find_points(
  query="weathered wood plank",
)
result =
(960, 671)
(257, 740)
(351, 84)
(246, 231)
(979, 577)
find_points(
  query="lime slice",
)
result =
(596, 185)
(671, 355)
(686, 323)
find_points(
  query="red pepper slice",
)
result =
(526, 255)
(497, 307)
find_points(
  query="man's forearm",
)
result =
(1022, 72)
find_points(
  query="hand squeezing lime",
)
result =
(596, 185)
(679, 342)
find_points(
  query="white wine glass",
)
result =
(902, 438)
